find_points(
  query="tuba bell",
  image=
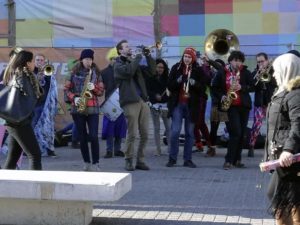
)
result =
(220, 43)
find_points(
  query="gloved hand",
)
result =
(146, 51)
(179, 79)
(192, 81)
(90, 86)
(76, 101)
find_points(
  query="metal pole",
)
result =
(11, 23)
(156, 20)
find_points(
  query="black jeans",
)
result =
(91, 121)
(238, 118)
(23, 139)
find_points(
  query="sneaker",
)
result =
(227, 166)
(51, 153)
(251, 152)
(189, 163)
(128, 165)
(119, 154)
(171, 163)
(87, 167)
(95, 167)
(199, 146)
(108, 155)
(141, 166)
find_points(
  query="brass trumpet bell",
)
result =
(48, 70)
(219, 43)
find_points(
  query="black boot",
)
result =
(108, 155)
(128, 165)
(251, 152)
(141, 166)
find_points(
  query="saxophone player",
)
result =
(85, 86)
(235, 79)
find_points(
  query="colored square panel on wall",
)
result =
(288, 22)
(190, 25)
(26, 28)
(169, 9)
(270, 23)
(248, 23)
(287, 39)
(169, 25)
(133, 28)
(3, 42)
(247, 6)
(289, 6)
(196, 42)
(3, 27)
(102, 42)
(218, 6)
(72, 42)
(270, 5)
(132, 7)
(191, 7)
(167, 2)
(218, 21)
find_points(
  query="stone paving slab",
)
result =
(179, 196)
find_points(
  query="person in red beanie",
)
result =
(185, 84)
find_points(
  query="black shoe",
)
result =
(141, 166)
(238, 164)
(128, 165)
(75, 144)
(51, 154)
(227, 166)
(189, 163)
(108, 155)
(251, 152)
(119, 154)
(171, 163)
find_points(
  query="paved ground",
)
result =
(179, 195)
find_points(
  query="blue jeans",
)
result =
(181, 112)
(113, 143)
(92, 121)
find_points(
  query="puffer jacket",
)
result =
(287, 131)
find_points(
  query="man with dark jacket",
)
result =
(133, 99)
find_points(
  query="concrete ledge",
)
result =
(56, 197)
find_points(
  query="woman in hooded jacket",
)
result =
(283, 140)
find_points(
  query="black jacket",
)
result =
(195, 91)
(108, 80)
(264, 91)
(219, 87)
(129, 76)
(157, 85)
(287, 133)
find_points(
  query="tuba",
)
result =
(220, 43)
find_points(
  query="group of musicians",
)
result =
(147, 87)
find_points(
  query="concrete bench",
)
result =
(56, 197)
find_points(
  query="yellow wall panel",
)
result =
(133, 7)
(247, 6)
(247, 23)
(270, 23)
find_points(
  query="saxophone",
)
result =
(85, 94)
(231, 93)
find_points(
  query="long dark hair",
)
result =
(17, 66)
(166, 68)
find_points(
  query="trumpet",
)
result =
(141, 49)
(264, 74)
(47, 69)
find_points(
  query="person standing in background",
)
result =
(158, 97)
(112, 131)
(46, 109)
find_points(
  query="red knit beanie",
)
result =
(192, 52)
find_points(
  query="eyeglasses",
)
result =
(262, 61)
